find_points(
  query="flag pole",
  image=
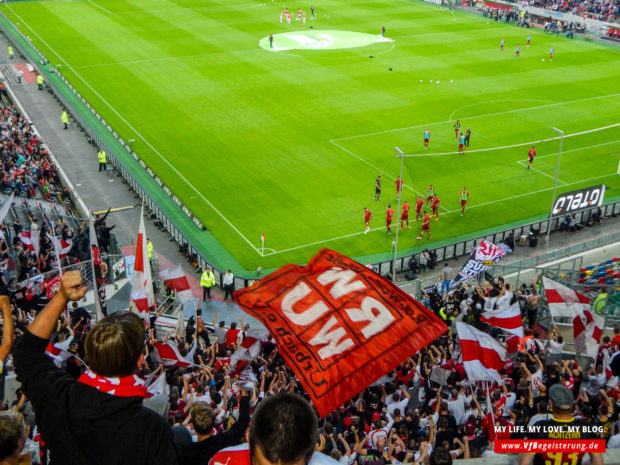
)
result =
(399, 153)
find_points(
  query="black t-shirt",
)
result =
(572, 458)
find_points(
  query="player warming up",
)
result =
(388, 219)
(426, 226)
(551, 52)
(418, 207)
(529, 39)
(530, 157)
(367, 218)
(378, 188)
(435, 207)
(501, 44)
(404, 216)
(427, 137)
(399, 187)
(517, 52)
(464, 198)
(461, 143)
(457, 128)
(430, 193)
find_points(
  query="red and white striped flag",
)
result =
(587, 332)
(176, 280)
(509, 319)
(249, 348)
(169, 353)
(61, 246)
(563, 301)
(482, 355)
(142, 296)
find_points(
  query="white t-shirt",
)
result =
(537, 381)
(457, 408)
(401, 404)
(511, 398)
(556, 347)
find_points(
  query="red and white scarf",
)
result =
(127, 386)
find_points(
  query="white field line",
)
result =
(576, 150)
(451, 117)
(140, 136)
(524, 163)
(290, 249)
(97, 6)
(602, 128)
(517, 110)
(379, 170)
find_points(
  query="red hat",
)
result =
(376, 416)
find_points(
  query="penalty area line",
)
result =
(524, 163)
(363, 160)
(516, 110)
(446, 213)
(100, 7)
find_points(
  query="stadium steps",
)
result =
(9, 74)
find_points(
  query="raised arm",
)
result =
(71, 289)
(7, 330)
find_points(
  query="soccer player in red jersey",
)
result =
(435, 207)
(399, 187)
(388, 219)
(530, 155)
(418, 207)
(404, 216)
(457, 127)
(367, 217)
(426, 226)
(461, 143)
(464, 198)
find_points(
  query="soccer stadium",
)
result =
(359, 232)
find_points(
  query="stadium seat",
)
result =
(583, 269)
(589, 273)
(609, 261)
(609, 271)
(582, 280)
(601, 280)
(590, 267)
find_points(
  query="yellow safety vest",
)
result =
(101, 156)
(64, 117)
(599, 303)
(207, 279)
(39, 79)
(149, 244)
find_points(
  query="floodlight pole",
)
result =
(399, 153)
(555, 184)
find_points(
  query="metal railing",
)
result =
(462, 248)
(454, 250)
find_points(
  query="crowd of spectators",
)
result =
(602, 10)
(425, 407)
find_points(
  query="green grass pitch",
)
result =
(289, 143)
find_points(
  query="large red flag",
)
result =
(339, 325)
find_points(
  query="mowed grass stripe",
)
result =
(252, 130)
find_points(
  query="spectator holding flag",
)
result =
(98, 419)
